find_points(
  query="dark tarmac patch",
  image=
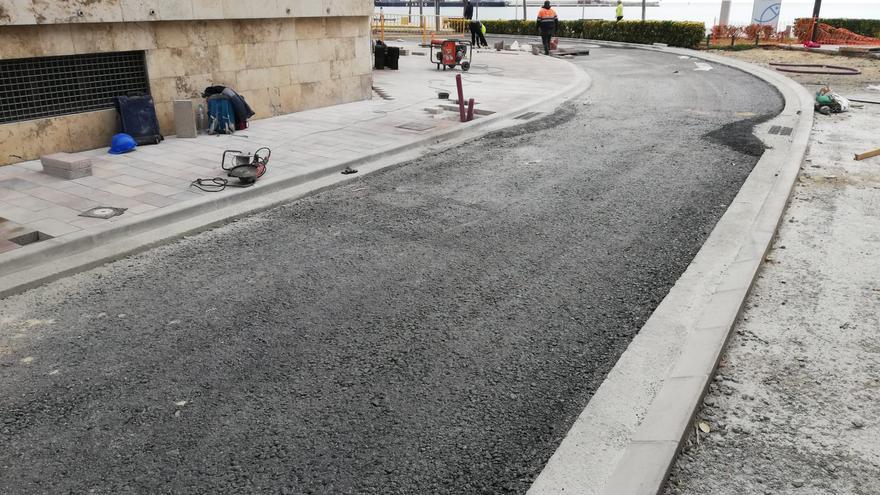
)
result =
(561, 116)
(739, 135)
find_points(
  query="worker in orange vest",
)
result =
(547, 23)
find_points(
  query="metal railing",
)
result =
(424, 26)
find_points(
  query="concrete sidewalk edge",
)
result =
(628, 436)
(36, 265)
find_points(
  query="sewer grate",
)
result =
(527, 115)
(103, 212)
(30, 238)
(416, 126)
(782, 131)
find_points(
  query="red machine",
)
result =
(451, 54)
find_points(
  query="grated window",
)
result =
(33, 88)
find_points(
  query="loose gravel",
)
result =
(433, 328)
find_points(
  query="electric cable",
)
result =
(259, 163)
(216, 184)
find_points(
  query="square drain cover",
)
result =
(103, 212)
(782, 131)
(30, 238)
(416, 126)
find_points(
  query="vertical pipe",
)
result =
(470, 112)
(437, 15)
(643, 9)
(460, 98)
(525, 11)
(816, 8)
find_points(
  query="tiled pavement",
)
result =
(156, 177)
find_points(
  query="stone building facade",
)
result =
(282, 55)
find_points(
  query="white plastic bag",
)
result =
(843, 102)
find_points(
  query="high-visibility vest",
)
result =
(547, 20)
(620, 10)
(546, 13)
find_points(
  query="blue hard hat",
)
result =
(122, 143)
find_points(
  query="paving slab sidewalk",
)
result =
(155, 181)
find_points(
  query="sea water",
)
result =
(706, 12)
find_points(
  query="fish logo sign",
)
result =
(766, 12)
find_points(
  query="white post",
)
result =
(724, 18)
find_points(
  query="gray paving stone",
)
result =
(121, 190)
(153, 199)
(130, 181)
(53, 227)
(18, 184)
(184, 119)
(66, 161)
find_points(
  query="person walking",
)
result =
(619, 10)
(548, 22)
(468, 10)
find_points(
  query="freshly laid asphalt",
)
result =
(433, 328)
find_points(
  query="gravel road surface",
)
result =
(434, 328)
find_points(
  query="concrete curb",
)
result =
(49, 260)
(627, 438)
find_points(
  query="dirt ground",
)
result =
(858, 84)
(794, 406)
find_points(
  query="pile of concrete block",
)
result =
(66, 166)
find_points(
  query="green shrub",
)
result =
(673, 33)
(864, 27)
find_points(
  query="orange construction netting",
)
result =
(830, 35)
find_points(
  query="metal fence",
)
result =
(34, 88)
(423, 26)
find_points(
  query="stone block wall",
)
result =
(24, 12)
(281, 65)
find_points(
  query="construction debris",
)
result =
(828, 102)
(867, 155)
(837, 70)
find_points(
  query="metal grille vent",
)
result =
(778, 129)
(33, 88)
